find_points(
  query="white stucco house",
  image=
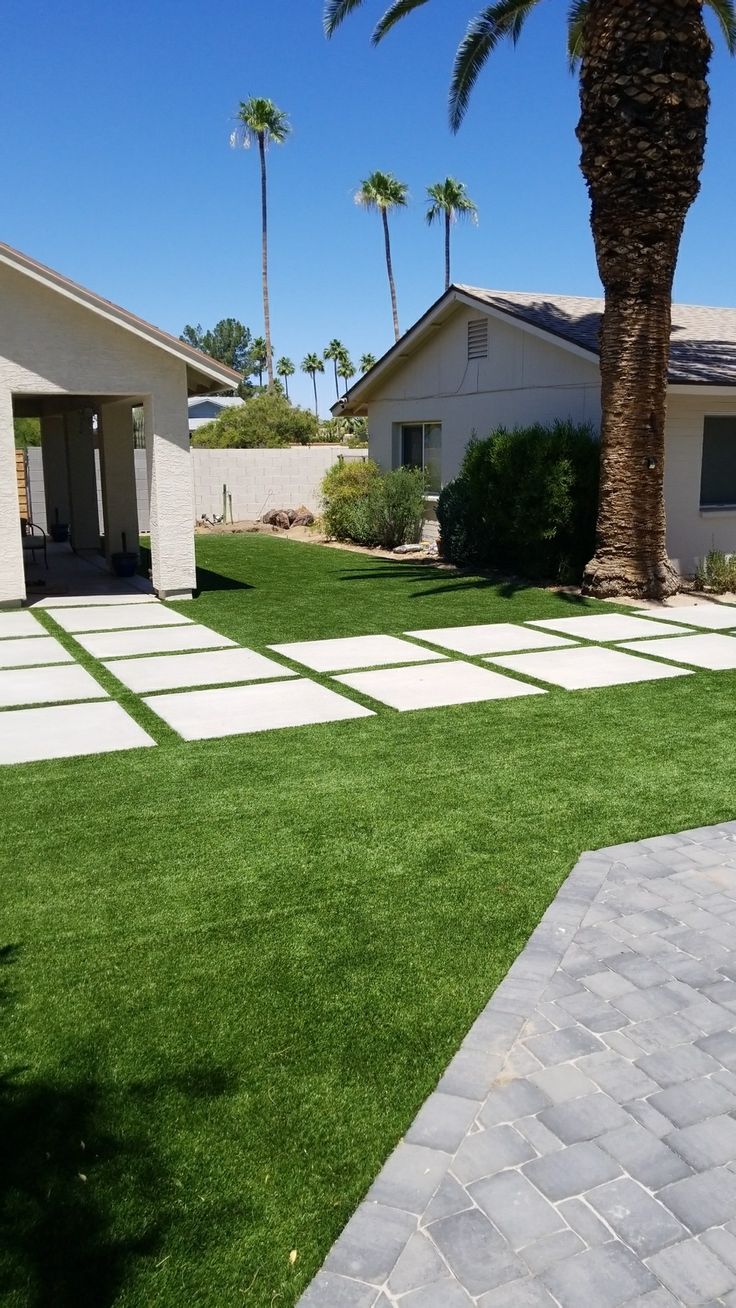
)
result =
(479, 359)
(203, 408)
(81, 364)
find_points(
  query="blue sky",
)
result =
(117, 169)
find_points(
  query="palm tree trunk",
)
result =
(314, 383)
(390, 271)
(644, 109)
(447, 250)
(286, 384)
(264, 258)
(337, 384)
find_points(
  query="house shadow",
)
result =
(207, 581)
(83, 1189)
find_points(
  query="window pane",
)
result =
(433, 456)
(411, 446)
(718, 474)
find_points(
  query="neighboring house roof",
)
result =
(202, 369)
(702, 352)
(221, 401)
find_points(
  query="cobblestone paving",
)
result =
(580, 1149)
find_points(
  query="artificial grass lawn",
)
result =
(234, 969)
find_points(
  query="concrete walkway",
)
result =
(580, 1149)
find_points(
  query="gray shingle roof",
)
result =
(703, 349)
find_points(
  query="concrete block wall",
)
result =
(258, 480)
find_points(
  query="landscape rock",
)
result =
(302, 517)
(409, 549)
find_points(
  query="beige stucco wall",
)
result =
(527, 379)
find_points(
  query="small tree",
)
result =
(285, 368)
(312, 364)
(267, 421)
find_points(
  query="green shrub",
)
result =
(524, 501)
(717, 572)
(368, 507)
(266, 421)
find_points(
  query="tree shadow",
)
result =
(83, 1190)
(443, 582)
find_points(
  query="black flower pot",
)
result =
(124, 563)
(59, 532)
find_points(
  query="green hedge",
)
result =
(364, 505)
(524, 501)
(266, 421)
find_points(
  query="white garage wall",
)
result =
(258, 480)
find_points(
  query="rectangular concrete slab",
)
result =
(118, 617)
(488, 638)
(161, 640)
(29, 735)
(600, 626)
(354, 652)
(707, 650)
(211, 668)
(47, 685)
(238, 710)
(91, 601)
(586, 667)
(435, 685)
(713, 617)
(32, 650)
(19, 623)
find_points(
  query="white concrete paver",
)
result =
(65, 731)
(714, 617)
(435, 685)
(212, 668)
(489, 638)
(240, 710)
(354, 652)
(91, 601)
(50, 685)
(710, 650)
(161, 640)
(587, 666)
(118, 617)
(19, 623)
(603, 626)
(30, 650)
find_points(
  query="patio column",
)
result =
(117, 466)
(170, 488)
(84, 514)
(55, 473)
(12, 577)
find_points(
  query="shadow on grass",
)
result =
(207, 580)
(441, 582)
(83, 1193)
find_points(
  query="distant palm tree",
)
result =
(335, 351)
(346, 369)
(383, 192)
(312, 364)
(449, 201)
(644, 102)
(259, 357)
(261, 121)
(367, 361)
(285, 368)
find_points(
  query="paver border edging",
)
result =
(368, 1249)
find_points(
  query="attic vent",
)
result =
(478, 338)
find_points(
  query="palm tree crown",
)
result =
(259, 121)
(382, 192)
(449, 201)
(336, 352)
(367, 361)
(504, 19)
(285, 368)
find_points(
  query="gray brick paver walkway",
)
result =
(580, 1149)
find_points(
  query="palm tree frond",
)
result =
(505, 18)
(395, 12)
(725, 12)
(382, 191)
(576, 18)
(336, 11)
(259, 117)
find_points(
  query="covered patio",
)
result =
(81, 365)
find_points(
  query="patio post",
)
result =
(171, 492)
(12, 576)
(84, 518)
(55, 472)
(117, 469)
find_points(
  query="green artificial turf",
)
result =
(232, 970)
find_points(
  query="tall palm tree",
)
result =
(346, 369)
(644, 107)
(261, 122)
(449, 201)
(259, 357)
(335, 352)
(285, 368)
(367, 361)
(383, 192)
(312, 364)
